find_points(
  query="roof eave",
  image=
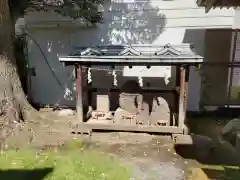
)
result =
(209, 4)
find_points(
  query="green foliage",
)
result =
(88, 10)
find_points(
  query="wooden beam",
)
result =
(133, 60)
(129, 128)
(144, 90)
(79, 98)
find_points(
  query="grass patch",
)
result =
(69, 163)
(222, 172)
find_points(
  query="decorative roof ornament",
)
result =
(90, 51)
(168, 50)
(129, 51)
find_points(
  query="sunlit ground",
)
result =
(74, 161)
(70, 163)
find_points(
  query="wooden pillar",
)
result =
(183, 99)
(79, 93)
(84, 86)
(186, 90)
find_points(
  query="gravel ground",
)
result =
(150, 157)
(157, 171)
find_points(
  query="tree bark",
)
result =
(14, 105)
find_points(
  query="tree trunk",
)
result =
(14, 105)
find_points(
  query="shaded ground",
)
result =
(211, 127)
(223, 163)
(151, 157)
(21, 174)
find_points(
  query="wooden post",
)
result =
(182, 100)
(186, 90)
(79, 100)
(84, 89)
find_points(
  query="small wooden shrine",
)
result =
(133, 114)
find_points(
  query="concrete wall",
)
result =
(237, 19)
(126, 22)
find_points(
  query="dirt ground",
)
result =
(150, 156)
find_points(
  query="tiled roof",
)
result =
(136, 54)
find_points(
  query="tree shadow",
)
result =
(136, 22)
(208, 127)
(217, 163)
(209, 124)
(132, 22)
(24, 174)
